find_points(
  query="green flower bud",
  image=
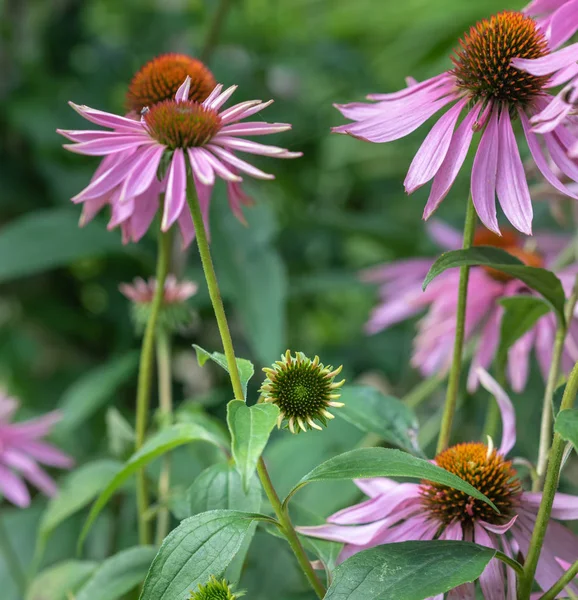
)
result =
(303, 389)
(215, 590)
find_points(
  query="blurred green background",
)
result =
(290, 279)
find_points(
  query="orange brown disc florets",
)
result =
(482, 64)
(182, 124)
(161, 77)
(485, 469)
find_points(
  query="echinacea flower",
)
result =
(174, 313)
(397, 512)
(402, 297)
(303, 389)
(491, 94)
(215, 589)
(21, 451)
(175, 136)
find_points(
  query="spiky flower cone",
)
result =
(303, 389)
(215, 590)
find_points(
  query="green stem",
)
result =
(145, 380)
(456, 368)
(166, 414)
(217, 23)
(548, 495)
(215, 295)
(553, 375)
(561, 583)
(12, 561)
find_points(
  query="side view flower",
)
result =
(186, 136)
(493, 94)
(397, 512)
(22, 450)
(402, 297)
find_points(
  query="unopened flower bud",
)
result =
(215, 590)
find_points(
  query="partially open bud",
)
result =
(215, 590)
(174, 314)
(303, 389)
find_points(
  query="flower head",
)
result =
(215, 589)
(397, 512)
(161, 77)
(401, 297)
(303, 389)
(490, 89)
(174, 311)
(173, 138)
(21, 451)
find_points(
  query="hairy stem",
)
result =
(166, 413)
(550, 486)
(456, 368)
(145, 380)
(215, 295)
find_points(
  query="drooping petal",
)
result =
(444, 235)
(241, 165)
(103, 146)
(519, 361)
(486, 348)
(142, 174)
(565, 506)
(201, 167)
(13, 489)
(492, 578)
(175, 198)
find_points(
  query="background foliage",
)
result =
(290, 279)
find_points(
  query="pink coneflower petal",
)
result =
(565, 506)
(220, 169)
(31, 471)
(253, 147)
(201, 166)
(38, 427)
(106, 119)
(241, 165)
(484, 174)
(444, 235)
(101, 147)
(13, 489)
(243, 110)
(218, 101)
(453, 161)
(487, 347)
(255, 128)
(549, 63)
(492, 578)
(238, 198)
(432, 152)
(511, 183)
(182, 93)
(8, 407)
(175, 197)
(466, 591)
(142, 173)
(563, 24)
(537, 7)
(48, 455)
(519, 361)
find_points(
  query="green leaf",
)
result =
(373, 412)
(157, 445)
(246, 368)
(199, 547)
(250, 427)
(60, 581)
(383, 462)
(567, 425)
(93, 390)
(542, 281)
(78, 489)
(520, 315)
(220, 487)
(50, 238)
(408, 570)
(119, 433)
(118, 574)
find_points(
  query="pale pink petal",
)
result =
(243, 110)
(47, 454)
(175, 197)
(519, 361)
(106, 119)
(492, 578)
(565, 506)
(241, 165)
(8, 407)
(444, 235)
(255, 128)
(101, 146)
(217, 102)
(563, 24)
(13, 489)
(200, 166)
(183, 92)
(253, 147)
(38, 427)
(466, 591)
(142, 174)
(218, 167)
(31, 471)
(486, 348)
(216, 91)
(499, 529)
(553, 61)
(374, 486)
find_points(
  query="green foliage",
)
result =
(408, 570)
(566, 425)
(61, 580)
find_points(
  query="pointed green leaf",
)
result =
(542, 281)
(60, 581)
(408, 570)
(157, 445)
(250, 427)
(246, 368)
(567, 426)
(373, 412)
(118, 574)
(383, 462)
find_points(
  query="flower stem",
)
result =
(215, 295)
(145, 380)
(13, 564)
(456, 368)
(561, 583)
(552, 475)
(166, 413)
(214, 30)
(553, 375)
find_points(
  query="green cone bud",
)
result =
(215, 590)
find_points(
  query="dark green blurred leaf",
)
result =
(567, 426)
(408, 570)
(48, 239)
(118, 574)
(119, 433)
(60, 581)
(542, 281)
(373, 412)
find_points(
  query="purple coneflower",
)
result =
(181, 135)
(402, 297)
(397, 512)
(175, 292)
(493, 93)
(21, 449)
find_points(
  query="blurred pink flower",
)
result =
(493, 93)
(21, 449)
(187, 134)
(402, 297)
(142, 292)
(397, 512)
